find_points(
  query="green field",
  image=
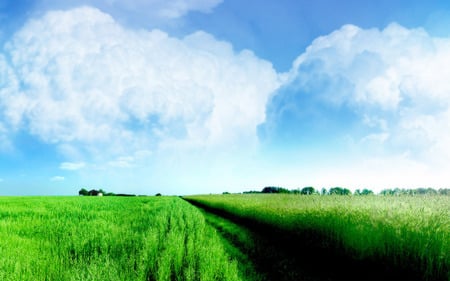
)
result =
(231, 237)
(99, 238)
(394, 235)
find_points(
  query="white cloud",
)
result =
(390, 88)
(8, 85)
(57, 179)
(395, 80)
(72, 166)
(86, 81)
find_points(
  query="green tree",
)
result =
(366, 192)
(308, 190)
(339, 191)
(83, 192)
(274, 189)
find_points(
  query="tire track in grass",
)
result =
(279, 255)
(259, 255)
(235, 239)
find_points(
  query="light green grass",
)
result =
(100, 238)
(406, 232)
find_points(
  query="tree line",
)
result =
(309, 190)
(100, 192)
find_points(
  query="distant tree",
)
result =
(269, 189)
(93, 192)
(417, 191)
(444, 191)
(421, 191)
(363, 192)
(324, 191)
(225, 193)
(431, 191)
(83, 192)
(339, 191)
(396, 191)
(335, 191)
(296, 191)
(409, 191)
(308, 190)
(274, 189)
(387, 191)
(158, 194)
(366, 192)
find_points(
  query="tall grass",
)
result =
(95, 238)
(411, 233)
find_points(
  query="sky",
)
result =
(206, 96)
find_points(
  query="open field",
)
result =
(404, 238)
(232, 237)
(95, 238)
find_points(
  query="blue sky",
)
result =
(206, 96)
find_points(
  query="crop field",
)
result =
(99, 238)
(366, 237)
(225, 237)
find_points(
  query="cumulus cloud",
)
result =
(382, 91)
(81, 79)
(72, 166)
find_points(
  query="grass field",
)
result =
(99, 238)
(399, 234)
(238, 237)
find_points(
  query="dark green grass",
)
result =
(239, 242)
(371, 238)
(261, 257)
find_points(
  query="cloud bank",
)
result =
(380, 97)
(77, 78)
